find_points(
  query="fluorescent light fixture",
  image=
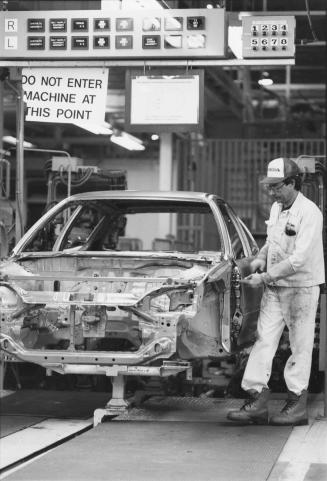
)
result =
(13, 141)
(98, 129)
(127, 141)
(265, 82)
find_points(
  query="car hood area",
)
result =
(130, 308)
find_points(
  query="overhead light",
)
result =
(127, 141)
(265, 80)
(98, 129)
(154, 137)
(13, 141)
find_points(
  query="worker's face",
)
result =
(282, 193)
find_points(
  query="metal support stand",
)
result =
(117, 404)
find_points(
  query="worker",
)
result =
(290, 266)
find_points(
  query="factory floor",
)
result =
(50, 436)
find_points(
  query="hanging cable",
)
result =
(165, 4)
(315, 38)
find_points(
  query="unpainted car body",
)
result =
(129, 283)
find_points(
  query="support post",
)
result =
(20, 197)
(1, 113)
(167, 181)
(166, 162)
(116, 405)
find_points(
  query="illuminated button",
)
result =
(80, 24)
(124, 24)
(80, 43)
(101, 24)
(58, 25)
(35, 43)
(151, 41)
(124, 41)
(173, 23)
(151, 24)
(196, 41)
(173, 41)
(35, 24)
(58, 43)
(101, 41)
(195, 23)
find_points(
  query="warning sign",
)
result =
(65, 95)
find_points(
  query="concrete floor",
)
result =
(173, 439)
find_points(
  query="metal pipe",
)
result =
(20, 198)
(5, 174)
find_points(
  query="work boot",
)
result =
(294, 413)
(254, 410)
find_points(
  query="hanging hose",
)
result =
(75, 183)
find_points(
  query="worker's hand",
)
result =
(253, 280)
(257, 265)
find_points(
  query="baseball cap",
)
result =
(279, 170)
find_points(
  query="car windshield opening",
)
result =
(129, 225)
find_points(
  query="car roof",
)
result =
(144, 195)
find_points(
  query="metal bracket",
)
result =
(118, 404)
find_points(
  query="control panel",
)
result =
(268, 36)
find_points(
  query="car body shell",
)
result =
(78, 295)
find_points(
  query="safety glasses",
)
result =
(275, 188)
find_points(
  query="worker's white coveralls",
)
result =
(295, 264)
